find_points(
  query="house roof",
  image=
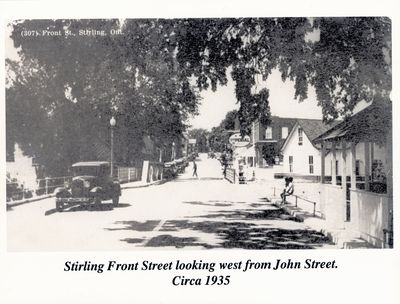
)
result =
(312, 128)
(371, 123)
(315, 127)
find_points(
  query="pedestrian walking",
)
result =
(195, 169)
(289, 189)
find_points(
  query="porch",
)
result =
(357, 197)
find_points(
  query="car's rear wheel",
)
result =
(115, 201)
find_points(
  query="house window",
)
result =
(378, 172)
(357, 167)
(311, 164)
(290, 163)
(268, 133)
(285, 132)
(300, 131)
(337, 168)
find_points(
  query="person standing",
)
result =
(194, 168)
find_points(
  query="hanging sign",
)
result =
(237, 140)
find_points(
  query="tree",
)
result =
(65, 89)
(144, 76)
(347, 59)
(201, 136)
(219, 135)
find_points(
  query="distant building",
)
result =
(267, 140)
(22, 168)
(191, 145)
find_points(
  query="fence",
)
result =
(129, 174)
(230, 175)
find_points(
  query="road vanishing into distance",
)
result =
(186, 213)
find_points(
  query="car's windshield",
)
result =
(86, 170)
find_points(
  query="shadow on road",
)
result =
(247, 214)
(231, 229)
(91, 208)
(191, 179)
(249, 236)
(136, 226)
(166, 240)
(133, 240)
(209, 203)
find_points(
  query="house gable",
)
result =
(300, 159)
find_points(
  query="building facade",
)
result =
(267, 140)
(300, 155)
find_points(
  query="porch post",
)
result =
(333, 169)
(367, 165)
(389, 185)
(372, 160)
(256, 157)
(344, 179)
(353, 166)
(323, 150)
(389, 164)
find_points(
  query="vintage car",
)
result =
(91, 184)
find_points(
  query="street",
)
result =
(191, 213)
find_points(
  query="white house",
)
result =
(301, 157)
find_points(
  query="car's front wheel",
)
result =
(59, 206)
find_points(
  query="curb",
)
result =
(145, 185)
(29, 200)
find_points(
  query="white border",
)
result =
(363, 276)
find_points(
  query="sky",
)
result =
(215, 105)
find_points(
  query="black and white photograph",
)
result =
(199, 152)
(255, 133)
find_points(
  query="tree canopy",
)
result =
(64, 89)
(219, 135)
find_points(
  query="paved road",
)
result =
(190, 213)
